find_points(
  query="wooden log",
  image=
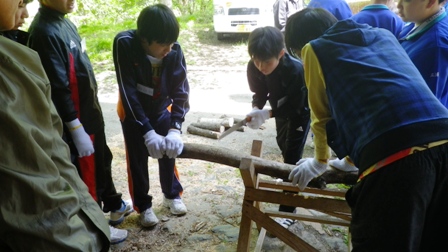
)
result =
(209, 126)
(202, 132)
(226, 122)
(272, 168)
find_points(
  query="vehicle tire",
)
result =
(220, 36)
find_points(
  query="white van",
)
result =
(241, 16)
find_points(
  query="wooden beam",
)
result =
(274, 228)
(292, 199)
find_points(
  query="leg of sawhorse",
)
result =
(248, 174)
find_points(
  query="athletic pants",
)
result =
(137, 162)
(96, 172)
(291, 138)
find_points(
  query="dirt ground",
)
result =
(213, 192)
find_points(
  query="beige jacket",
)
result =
(45, 206)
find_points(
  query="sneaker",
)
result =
(117, 235)
(176, 206)
(117, 217)
(284, 222)
(148, 218)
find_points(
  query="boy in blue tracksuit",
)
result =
(154, 92)
(339, 8)
(275, 76)
(379, 14)
(369, 102)
(426, 42)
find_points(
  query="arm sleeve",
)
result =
(127, 85)
(434, 71)
(282, 13)
(297, 91)
(260, 90)
(318, 102)
(56, 61)
(180, 89)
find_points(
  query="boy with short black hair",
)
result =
(153, 101)
(16, 34)
(74, 93)
(426, 42)
(275, 76)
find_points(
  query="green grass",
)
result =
(100, 33)
(100, 37)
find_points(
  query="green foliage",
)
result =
(99, 37)
(100, 21)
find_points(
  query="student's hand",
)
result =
(80, 138)
(344, 165)
(174, 144)
(257, 117)
(155, 144)
(306, 170)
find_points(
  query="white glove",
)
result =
(257, 117)
(343, 165)
(174, 144)
(155, 144)
(306, 170)
(82, 140)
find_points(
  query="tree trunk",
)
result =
(272, 168)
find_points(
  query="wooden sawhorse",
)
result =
(331, 202)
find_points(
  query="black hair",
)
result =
(157, 23)
(265, 43)
(306, 25)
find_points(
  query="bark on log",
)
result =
(272, 168)
(226, 122)
(209, 126)
(202, 132)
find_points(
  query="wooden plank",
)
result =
(274, 228)
(257, 148)
(260, 240)
(247, 173)
(320, 219)
(287, 186)
(245, 228)
(292, 199)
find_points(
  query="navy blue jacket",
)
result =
(134, 76)
(284, 88)
(63, 54)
